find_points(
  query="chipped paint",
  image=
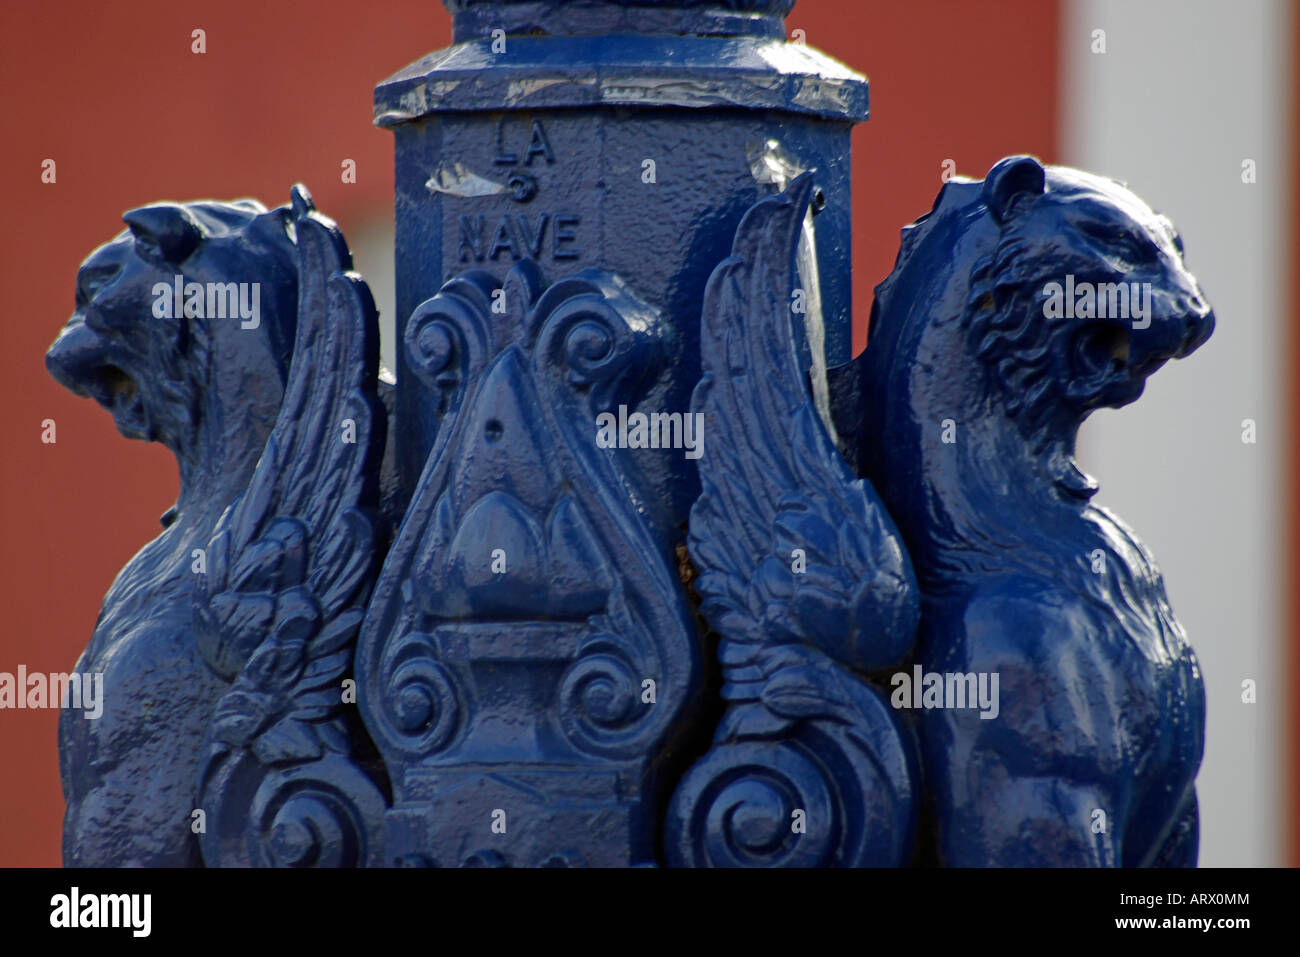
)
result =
(455, 179)
(521, 89)
(770, 165)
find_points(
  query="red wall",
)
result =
(113, 94)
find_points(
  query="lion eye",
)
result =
(90, 280)
(1139, 249)
(1132, 247)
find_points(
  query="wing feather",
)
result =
(301, 543)
(774, 486)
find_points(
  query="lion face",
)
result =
(1123, 250)
(1085, 296)
(112, 348)
(151, 363)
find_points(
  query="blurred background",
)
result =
(1186, 96)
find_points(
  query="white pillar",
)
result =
(1186, 91)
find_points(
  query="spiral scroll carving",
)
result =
(600, 702)
(445, 339)
(323, 813)
(420, 700)
(740, 807)
(819, 799)
(590, 340)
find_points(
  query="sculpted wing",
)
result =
(289, 572)
(777, 495)
(802, 574)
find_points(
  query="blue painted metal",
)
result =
(179, 623)
(279, 606)
(569, 106)
(965, 408)
(803, 575)
(529, 655)
(601, 581)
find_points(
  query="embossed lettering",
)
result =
(471, 238)
(501, 240)
(518, 235)
(563, 233)
(502, 158)
(538, 145)
(529, 240)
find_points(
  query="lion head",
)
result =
(1082, 298)
(1018, 305)
(159, 362)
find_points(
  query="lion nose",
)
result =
(73, 356)
(1200, 326)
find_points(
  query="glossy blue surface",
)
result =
(635, 150)
(529, 657)
(620, 573)
(803, 576)
(209, 391)
(968, 400)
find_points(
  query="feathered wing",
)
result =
(799, 569)
(289, 572)
(790, 547)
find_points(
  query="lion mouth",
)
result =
(117, 392)
(78, 360)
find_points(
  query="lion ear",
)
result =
(1010, 179)
(164, 231)
(300, 200)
